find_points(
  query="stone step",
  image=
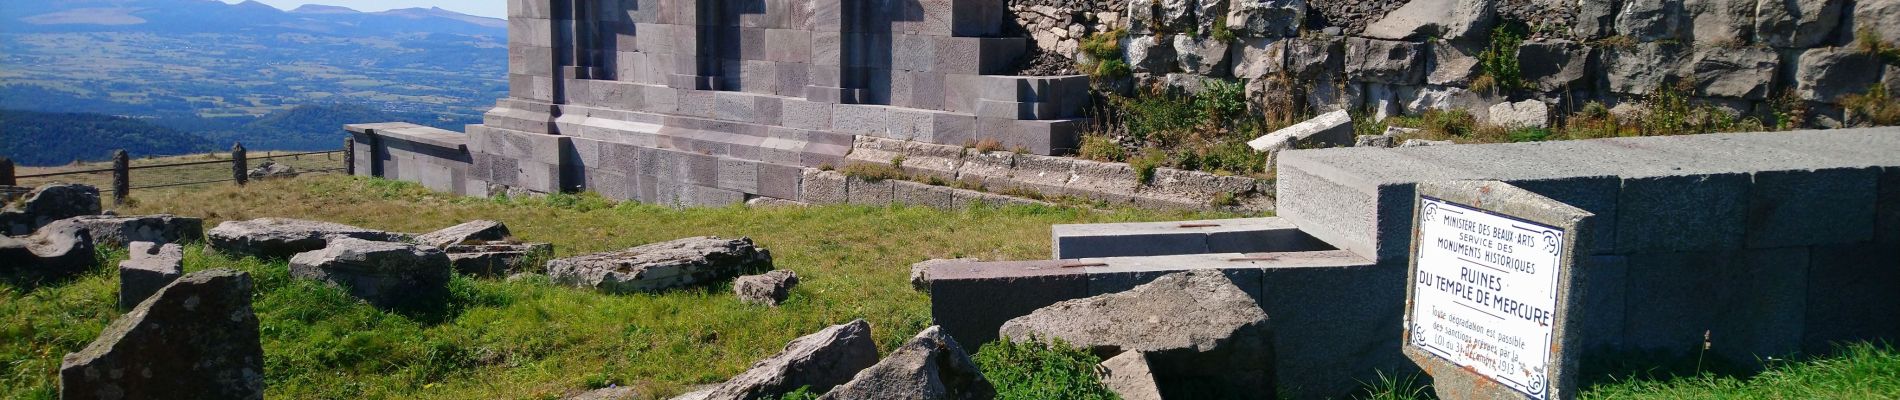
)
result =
(1244, 235)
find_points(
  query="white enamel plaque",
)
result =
(1485, 294)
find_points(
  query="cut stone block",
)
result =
(661, 266)
(387, 275)
(1333, 129)
(1355, 199)
(197, 339)
(1252, 235)
(150, 269)
(1750, 304)
(970, 300)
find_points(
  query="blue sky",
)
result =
(486, 8)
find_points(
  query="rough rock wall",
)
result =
(1397, 56)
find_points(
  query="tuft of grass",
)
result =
(1103, 51)
(1038, 369)
(1499, 59)
(988, 145)
(1868, 41)
(1101, 148)
(874, 172)
(1875, 106)
(1146, 165)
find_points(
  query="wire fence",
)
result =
(121, 171)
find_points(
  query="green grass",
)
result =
(530, 339)
(1859, 371)
(1037, 370)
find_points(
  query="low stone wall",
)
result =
(436, 158)
(1113, 184)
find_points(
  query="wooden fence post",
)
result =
(121, 176)
(240, 168)
(349, 155)
(6, 172)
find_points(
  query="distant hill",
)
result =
(319, 127)
(213, 16)
(43, 139)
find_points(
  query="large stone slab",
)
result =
(386, 274)
(472, 231)
(150, 268)
(47, 204)
(284, 237)
(662, 266)
(819, 362)
(195, 339)
(931, 366)
(769, 288)
(120, 231)
(1244, 235)
(1332, 129)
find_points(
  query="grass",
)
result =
(530, 339)
(1858, 371)
(162, 176)
(1036, 370)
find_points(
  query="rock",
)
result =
(1267, 18)
(1423, 143)
(1381, 141)
(1830, 74)
(1128, 375)
(1454, 63)
(820, 361)
(47, 204)
(1796, 23)
(1330, 129)
(1315, 59)
(1442, 19)
(1175, 15)
(271, 170)
(1201, 55)
(386, 274)
(1881, 16)
(1382, 100)
(1448, 98)
(920, 272)
(55, 252)
(1596, 19)
(497, 258)
(1523, 114)
(472, 231)
(768, 289)
(195, 339)
(1148, 53)
(1725, 23)
(1199, 331)
(1651, 20)
(611, 393)
(277, 238)
(931, 366)
(662, 266)
(150, 268)
(118, 231)
(1207, 14)
(1555, 65)
(1260, 58)
(1385, 61)
(1642, 68)
(1744, 73)
(769, 202)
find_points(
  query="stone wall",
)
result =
(1394, 56)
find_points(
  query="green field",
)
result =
(530, 339)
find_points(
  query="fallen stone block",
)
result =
(472, 231)
(1328, 130)
(284, 237)
(195, 339)
(819, 361)
(151, 268)
(47, 204)
(768, 289)
(1128, 375)
(920, 272)
(1523, 114)
(120, 231)
(1205, 337)
(271, 170)
(496, 258)
(53, 253)
(662, 266)
(931, 366)
(386, 274)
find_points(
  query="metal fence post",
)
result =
(240, 167)
(349, 155)
(6, 172)
(121, 176)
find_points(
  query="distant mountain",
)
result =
(41, 139)
(213, 16)
(320, 127)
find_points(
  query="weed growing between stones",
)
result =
(1875, 106)
(1207, 131)
(1103, 56)
(1038, 369)
(1499, 60)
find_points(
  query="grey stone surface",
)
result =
(196, 338)
(284, 237)
(119, 231)
(1386, 61)
(1642, 68)
(822, 187)
(1830, 74)
(1745, 73)
(929, 366)
(819, 361)
(150, 268)
(661, 266)
(1201, 55)
(46, 204)
(1203, 333)
(1248, 235)
(1750, 304)
(920, 272)
(472, 231)
(1522, 114)
(1267, 18)
(1454, 63)
(1721, 22)
(1330, 129)
(54, 252)
(767, 289)
(1882, 16)
(386, 274)
(1555, 65)
(1128, 375)
(1797, 24)
(496, 258)
(1441, 19)
(1651, 20)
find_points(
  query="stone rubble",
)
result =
(819, 361)
(661, 266)
(115, 231)
(768, 289)
(46, 204)
(276, 238)
(195, 339)
(150, 268)
(931, 366)
(386, 274)
(53, 253)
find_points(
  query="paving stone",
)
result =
(822, 187)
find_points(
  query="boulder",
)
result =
(1201, 55)
(1523, 114)
(1555, 65)
(118, 231)
(820, 361)
(1454, 63)
(195, 339)
(271, 170)
(149, 269)
(1385, 61)
(1642, 68)
(1651, 20)
(1208, 14)
(1418, 20)
(47, 204)
(472, 231)
(284, 237)
(1148, 53)
(53, 253)
(1259, 58)
(931, 366)
(1330, 129)
(496, 258)
(767, 289)
(1881, 16)
(1267, 18)
(1796, 23)
(662, 266)
(1595, 19)
(386, 274)
(1128, 375)
(1315, 59)
(1830, 74)
(1725, 23)
(1744, 73)
(920, 272)
(1203, 336)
